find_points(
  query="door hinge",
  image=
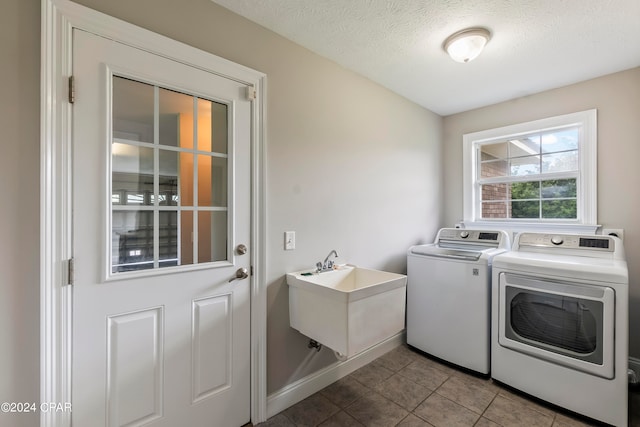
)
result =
(71, 270)
(251, 93)
(72, 90)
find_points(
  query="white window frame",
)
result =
(586, 221)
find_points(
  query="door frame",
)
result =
(58, 20)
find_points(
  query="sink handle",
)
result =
(327, 264)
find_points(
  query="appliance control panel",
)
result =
(567, 241)
(462, 235)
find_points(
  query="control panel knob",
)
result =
(464, 234)
(557, 240)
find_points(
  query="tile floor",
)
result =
(405, 388)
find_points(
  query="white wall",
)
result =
(350, 165)
(617, 99)
(19, 206)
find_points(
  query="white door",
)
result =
(161, 203)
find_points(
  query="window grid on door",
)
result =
(169, 177)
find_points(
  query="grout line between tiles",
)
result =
(485, 410)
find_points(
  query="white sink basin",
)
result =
(348, 309)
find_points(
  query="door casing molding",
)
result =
(59, 18)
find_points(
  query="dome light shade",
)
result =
(466, 45)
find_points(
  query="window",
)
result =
(540, 173)
(169, 178)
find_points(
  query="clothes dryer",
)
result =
(560, 322)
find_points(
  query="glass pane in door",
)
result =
(133, 105)
(169, 178)
(132, 240)
(212, 126)
(212, 181)
(212, 236)
(556, 320)
(173, 108)
(168, 238)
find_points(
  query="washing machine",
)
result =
(449, 295)
(560, 306)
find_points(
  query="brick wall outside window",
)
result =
(497, 192)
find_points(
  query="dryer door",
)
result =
(566, 323)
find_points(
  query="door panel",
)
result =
(160, 196)
(134, 366)
(211, 341)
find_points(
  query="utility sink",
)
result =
(348, 309)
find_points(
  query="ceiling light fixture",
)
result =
(466, 45)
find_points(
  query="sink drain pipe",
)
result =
(314, 344)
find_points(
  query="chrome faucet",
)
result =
(327, 264)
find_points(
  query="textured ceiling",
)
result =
(536, 44)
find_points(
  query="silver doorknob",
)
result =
(241, 249)
(241, 273)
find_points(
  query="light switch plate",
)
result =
(289, 240)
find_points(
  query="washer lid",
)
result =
(447, 252)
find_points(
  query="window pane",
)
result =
(493, 151)
(494, 192)
(521, 166)
(131, 159)
(494, 168)
(132, 110)
(186, 179)
(168, 238)
(212, 236)
(132, 240)
(212, 181)
(559, 188)
(560, 162)
(561, 140)
(524, 146)
(131, 175)
(174, 108)
(219, 131)
(186, 237)
(168, 178)
(525, 209)
(559, 209)
(525, 190)
(212, 126)
(494, 210)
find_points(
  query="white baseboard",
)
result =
(305, 387)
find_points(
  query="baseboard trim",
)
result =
(305, 387)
